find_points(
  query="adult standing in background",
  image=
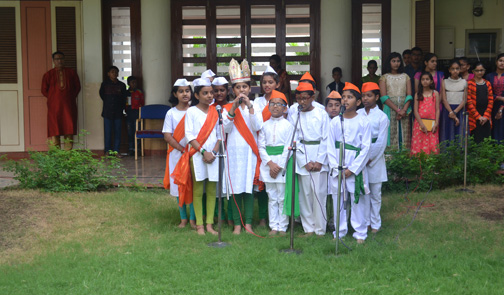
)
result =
(284, 86)
(415, 65)
(61, 86)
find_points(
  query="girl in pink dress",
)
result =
(425, 129)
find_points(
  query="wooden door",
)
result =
(36, 56)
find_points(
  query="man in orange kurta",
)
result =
(61, 86)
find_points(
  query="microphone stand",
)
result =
(292, 150)
(341, 182)
(466, 136)
(220, 155)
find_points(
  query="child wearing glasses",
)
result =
(274, 141)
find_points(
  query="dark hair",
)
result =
(131, 78)
(328, 99)
(376, 92)
(173, 100)
(478, 63)
(354, 93)
(234, 84)
(386, 66)
(499, 56)
(428, 56)
(311, 93)
(57, 52)
(416, 48)
(197, 89)
(407, 51)
(337, 70)
(276, 58)
(372, 62)
(273, 75)
(113, 68)
(420, 87)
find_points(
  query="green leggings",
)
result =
(198, 198)
(262, 201)
(229, 208)
(242, 200)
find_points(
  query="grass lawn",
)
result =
(126, 242)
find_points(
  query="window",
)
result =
(208, 36)
(8, 55)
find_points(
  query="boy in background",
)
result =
(336, 85)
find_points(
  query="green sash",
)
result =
(373, 140)
(278, 150)
(359, 179)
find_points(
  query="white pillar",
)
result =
(156, 50)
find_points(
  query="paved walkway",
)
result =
(148, 170)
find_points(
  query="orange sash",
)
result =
(245, 132)
(266, 114)
(182, 172)
(178, 134)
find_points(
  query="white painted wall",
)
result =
(335, 39)
(93, 73)
(156, 50)
(401, 26)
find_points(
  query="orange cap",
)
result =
(334, 95)
(350, 86)
(304, 86)
(370, 86)
(307, 76)
(278, 94)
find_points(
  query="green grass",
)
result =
(127, 242)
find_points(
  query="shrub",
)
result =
(446, 168)
(58, 170)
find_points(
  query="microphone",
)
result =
(240, 101)
(219, 111)
(300, 108)
(342, 110)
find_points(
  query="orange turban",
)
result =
(334, 95)
(369, 86)
(278, 94)
(307, 76)
(350, 86)
(304, 86)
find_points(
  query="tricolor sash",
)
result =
(178, 134)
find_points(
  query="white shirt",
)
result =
(379, 123)
(172, 119)
(242, 160)
(274, 132)
(195, 118)
(455, 90)
(358, 134)
(312, 126)
(293, 109)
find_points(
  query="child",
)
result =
(376, 168)
(479, 104)
(220, 90)
(372, 67)
(136, 100)
(336, 85)
(311, 161)
(426, 110)
(174, 135)
(305, 80)
(395, 91)
(406, 55)
(269, 82)
(497, 80)
(241, 123)
(454, 99)
(357, 144)
(465, 69)
(274, 140)
(333, 104)
(197, 167)
(113, 93)
(430, 65)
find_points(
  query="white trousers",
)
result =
(375, 205)
(276, 196)
(358, 217)
(312, 202)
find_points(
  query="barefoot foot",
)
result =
(248, 227)
(200, 229)
(183, 223)
(237, 229)
(193, 224)
(210, 229)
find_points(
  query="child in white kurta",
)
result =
(274, 140)
(311, 161)
(376, 168)
(357, 135)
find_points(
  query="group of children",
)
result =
(257, 135)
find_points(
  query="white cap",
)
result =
(270, 70)
(201, 82)
(181, 82)
(219, 81)
(207, 74)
